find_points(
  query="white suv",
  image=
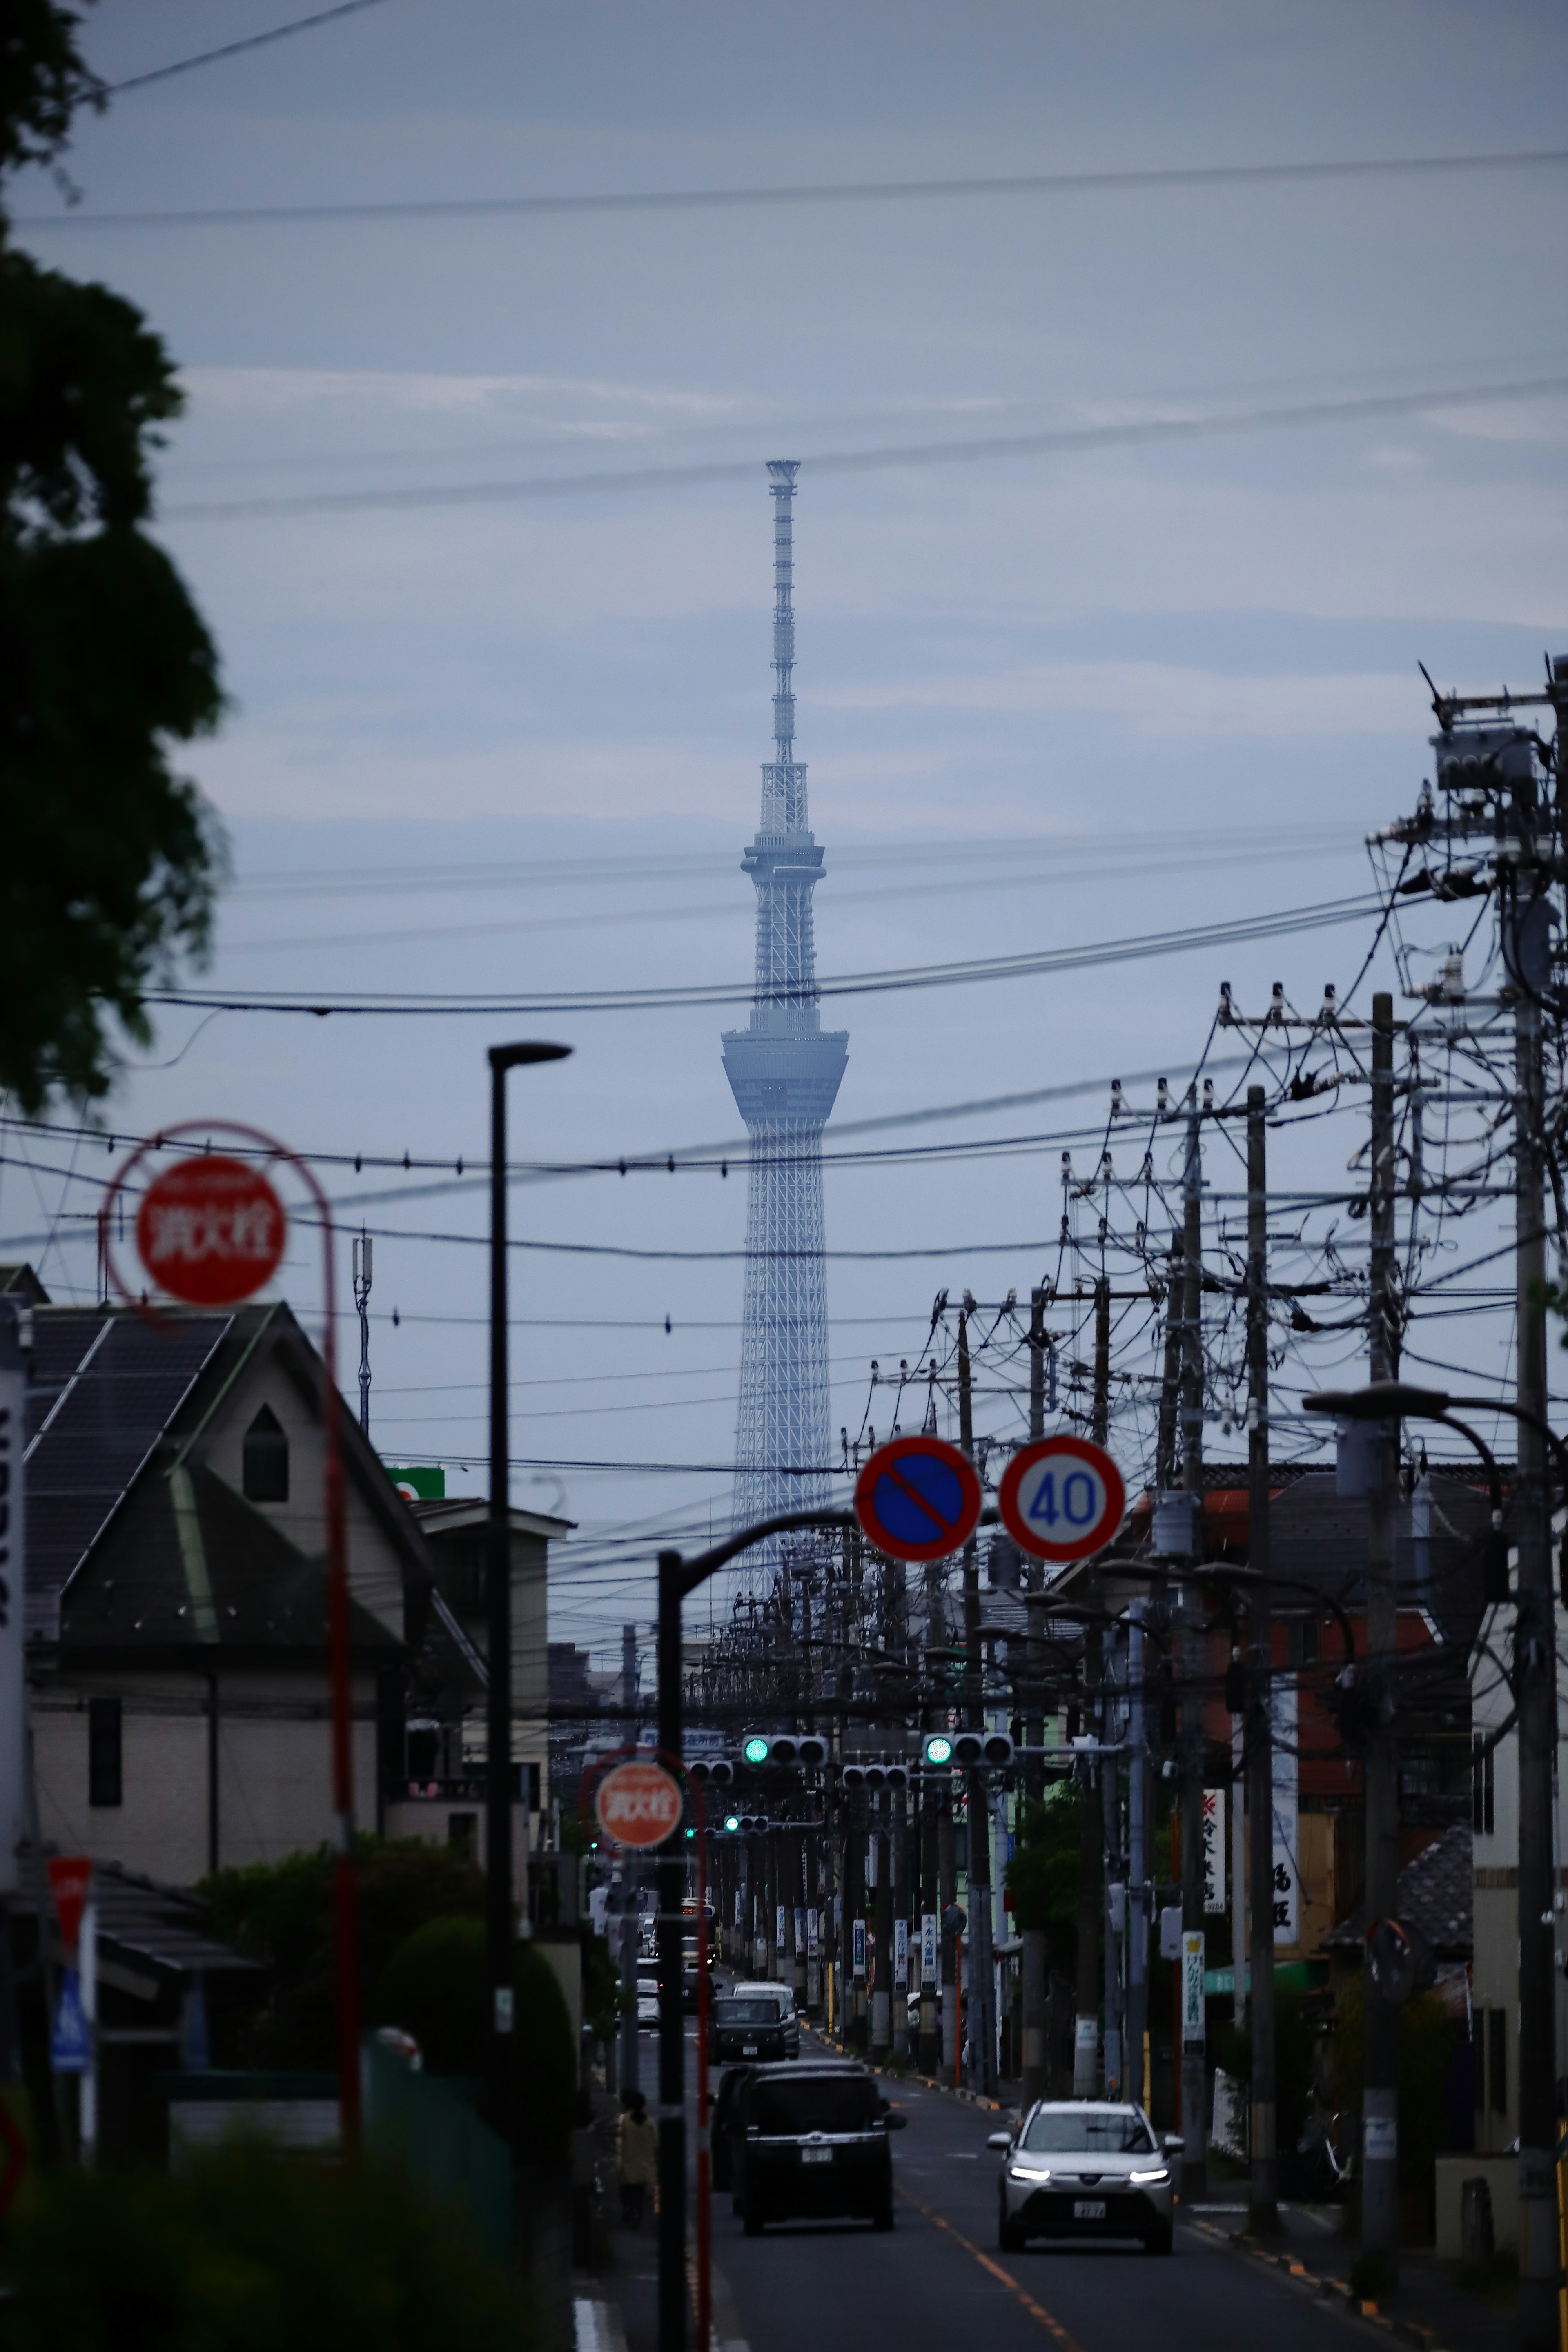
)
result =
(784, 1996)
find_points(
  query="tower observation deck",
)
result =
(784, 1070)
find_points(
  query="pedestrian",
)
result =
(636, 2157)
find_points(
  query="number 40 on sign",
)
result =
(1062, 1499)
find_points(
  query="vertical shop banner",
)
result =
(813, 1934)
(778, 1927)
(858, 1949)
(928, 1948)
(901, 1955)
(1214, 1850)
(1282, 1711)
(1193, 1993)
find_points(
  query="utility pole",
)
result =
(631, 2075)
(882, 1998)
(1099, 1420)
(947, 1886)
(1035, 2069)
(982, 2042)
(1165, 1435)
(1527, 944)
(364, 1248)
(1265, 2178)
(930, 2052)
(1194, 2137)
(1380, 2094)
(1091, 1897)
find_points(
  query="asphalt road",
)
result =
(940, 2278)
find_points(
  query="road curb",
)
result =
(927, 2082)
(1338, 2293)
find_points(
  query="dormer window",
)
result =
(266, 1471)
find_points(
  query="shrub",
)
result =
(434, 1987)
(282, 1913)
(253, 2251)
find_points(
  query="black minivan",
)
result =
(811, 2142)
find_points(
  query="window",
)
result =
(104, 1775)
(266, 1476)
(1497, 2059)
(463, 1835)
(1088, 2131)
(1483, 1787)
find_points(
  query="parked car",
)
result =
(648, 2000)
(747, 2025)
(811, 2141)
(783, 1997)
(1084, 2169)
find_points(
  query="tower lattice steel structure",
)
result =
(784, 1070)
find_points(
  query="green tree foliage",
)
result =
(1427, 2039)
(434, 1988)
(1042, 1877)
(110, 859)
(252, 2251)
(282, 1913)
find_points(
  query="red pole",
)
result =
(345, 1906)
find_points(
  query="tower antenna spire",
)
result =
(784, 1071)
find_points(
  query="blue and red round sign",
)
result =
(918, 1499)
(1061, 1499)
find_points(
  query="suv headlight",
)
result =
(1144, 2179)
(1028, 2172)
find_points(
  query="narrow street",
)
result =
(940, 2277)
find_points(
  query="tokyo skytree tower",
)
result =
(784, 1070)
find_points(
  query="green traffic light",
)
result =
(939, 1748)
(756, 1751)
(732, 1821)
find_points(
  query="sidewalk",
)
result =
(1430, 2309)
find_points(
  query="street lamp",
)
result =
(1404, 1401)
(678, 1577)
(500, 1928)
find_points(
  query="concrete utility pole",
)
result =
(1527, 945)
(1036, 2013)
(1264, 2181)
(364, 1260)
(982, 2038)
(1091, 1894)
(1380, 2091)
(1194, 2137)
(882, 1998)
(947, 1879)
(631, 2075)
(898, 1874)
(930, 2054)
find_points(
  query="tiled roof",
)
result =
(1436, 1896)
(151, 1929)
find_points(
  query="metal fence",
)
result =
(429, 2127)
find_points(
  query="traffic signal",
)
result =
(937, 1749)
(755, 1748)
(813, 1748)
(717, 1771)
(972, 1747)
(732, 1822)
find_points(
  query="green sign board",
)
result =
(418, 1482)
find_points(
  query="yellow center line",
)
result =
(1037, 2310)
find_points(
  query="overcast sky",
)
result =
(1184, 674)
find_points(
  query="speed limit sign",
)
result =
(1061, 1499)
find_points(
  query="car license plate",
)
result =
(748, 2049)
(817, 2156)
(1089, 2209)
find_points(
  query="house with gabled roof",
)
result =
(176, 1597)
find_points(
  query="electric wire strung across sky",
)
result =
(784, 1070)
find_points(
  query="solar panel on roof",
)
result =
(93, 1424)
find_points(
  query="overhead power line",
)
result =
(826, 192)
(1295, 416)
(1033, 964)
(235, 49)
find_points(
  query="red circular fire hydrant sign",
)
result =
(638, 1804)
(211, 1231)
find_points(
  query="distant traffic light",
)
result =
(937, 1749)
(756, 1748)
